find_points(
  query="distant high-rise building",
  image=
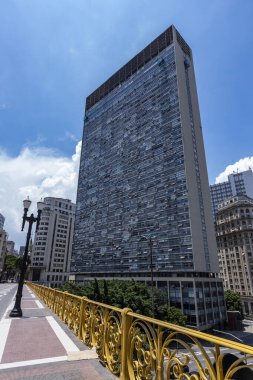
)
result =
(51, 252)
(143, 186)
(2, 219)
(10, 245)
(234, 231)
(237, 184)
(21, 250)
(3, 250)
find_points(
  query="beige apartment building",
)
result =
(51, 252)
(234, 231)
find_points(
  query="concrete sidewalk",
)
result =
(39, 346)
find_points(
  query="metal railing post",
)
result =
(159, 360)
(53, 300)
(125, 327)
(80, 333)
(63, 305)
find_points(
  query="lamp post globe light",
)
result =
(17, 311)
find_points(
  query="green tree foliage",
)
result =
(135, 295)
(106, 294)
(171, 315)
(97, 295)
(19, 263)
(10, 266)
(233, 301)
(78, 290)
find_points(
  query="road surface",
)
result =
(7, 292)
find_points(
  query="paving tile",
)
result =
(82, 370)
(31, 339)
(28, 304)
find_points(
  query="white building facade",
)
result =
(51, 252)
(237, 184)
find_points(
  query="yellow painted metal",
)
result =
(126, 324)
(81, 316)
(136, 347)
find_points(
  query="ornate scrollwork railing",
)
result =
(136, 347)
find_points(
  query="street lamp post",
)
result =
(17, 311)
(150, 243)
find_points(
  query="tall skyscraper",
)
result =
(143, 186)
(2, 219)
(234, 231)
(237, 184)
(51, 251)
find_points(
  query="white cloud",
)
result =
(240, 166)
(37, 173)
(68, 136)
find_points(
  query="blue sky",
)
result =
(56, 52)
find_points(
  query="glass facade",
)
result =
(143, 202)
(132, 177)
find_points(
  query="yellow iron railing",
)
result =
(133, 346)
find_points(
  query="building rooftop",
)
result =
(234, 201)
(150, 51)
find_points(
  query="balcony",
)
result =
(133, 346)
